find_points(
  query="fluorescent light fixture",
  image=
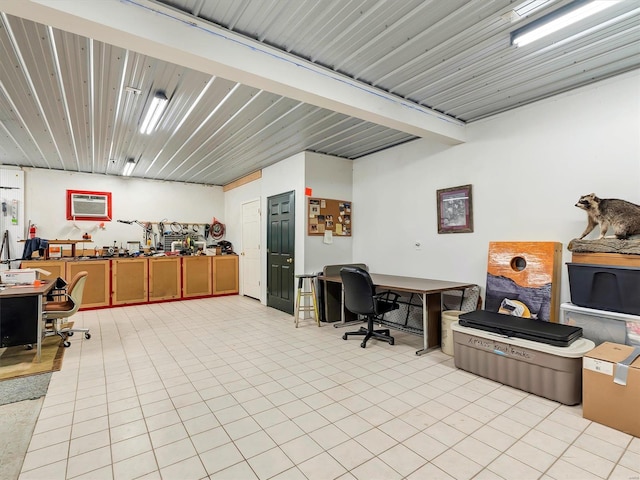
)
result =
(128, 167)
(557, 20)
(155, 111)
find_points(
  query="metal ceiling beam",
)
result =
(160, 32)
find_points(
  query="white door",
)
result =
(250, 256)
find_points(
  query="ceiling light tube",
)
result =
(557, 20)
(155, 111)
(128, 167)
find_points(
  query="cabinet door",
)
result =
(97, 288)
(19, 317)
(129, 281)
(225, 274)
(55, 267)
(164, 278)
(196, 276)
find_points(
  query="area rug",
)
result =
(21, 377)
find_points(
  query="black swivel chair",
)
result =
(360, 297)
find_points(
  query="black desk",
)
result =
(430, 293)
(21, 308)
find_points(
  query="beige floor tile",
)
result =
(130, 447)
(476, 450)
(589, 462)
(162, 420)
(510, 468)
(283, 398)
(174, 452)
(51, 437)
(564, 470)
(188, 469)
(375, 468)
(49, 471)
(599, 447)
(531, 456)
(135, 467)
(89, 442)
(321, 467)
(402, 459)
(88, 462)
(238, 471)
(270, 463)
(44, 456)
(254, 444)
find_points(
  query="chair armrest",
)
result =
(387, 296)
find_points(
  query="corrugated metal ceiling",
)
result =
(68, 102)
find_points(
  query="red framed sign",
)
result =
(88, 205)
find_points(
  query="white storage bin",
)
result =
(601, 325)
(544, 370)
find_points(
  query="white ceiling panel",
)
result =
(72, 93)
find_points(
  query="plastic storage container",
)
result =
(602, 326)
(604, 287)
(448, 317)
(544, 370)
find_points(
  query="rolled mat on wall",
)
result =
(524, 277)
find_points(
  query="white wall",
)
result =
(12, 194)
(528, 167)
(132, 199)
(284, 176)
(233, 200)
(328, 177)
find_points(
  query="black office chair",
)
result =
(360, 297)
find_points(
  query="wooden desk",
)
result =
(21, 308)
(430, 292)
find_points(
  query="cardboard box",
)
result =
(23, 276)
(610, 395)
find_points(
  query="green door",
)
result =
(280, 250)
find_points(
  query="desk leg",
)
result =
(39, 329)
(430, 322)
(343, 320)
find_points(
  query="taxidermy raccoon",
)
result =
(622, 216)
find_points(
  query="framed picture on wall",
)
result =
(455, 210)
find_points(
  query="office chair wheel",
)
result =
(29, 347)
(87, 335)
(70, 334)
(66, 343)
(363, 344)
(344, 337)
(391, 342)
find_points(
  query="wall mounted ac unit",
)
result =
(82, 205)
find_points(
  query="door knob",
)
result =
(289, 260)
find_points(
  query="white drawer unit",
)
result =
(602, 325)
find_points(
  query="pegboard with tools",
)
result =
(160, 235)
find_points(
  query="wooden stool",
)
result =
(306, 293)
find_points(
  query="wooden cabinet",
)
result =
(125, 281)
(129, 281)
(164, 278)
(225, 274)
(56, 267)
(97, 289)
(196, 276)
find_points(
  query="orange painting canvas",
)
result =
(524, 275)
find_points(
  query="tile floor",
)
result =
(225, 388)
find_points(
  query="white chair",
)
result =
(56, 311)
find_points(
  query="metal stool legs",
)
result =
(302, 293)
